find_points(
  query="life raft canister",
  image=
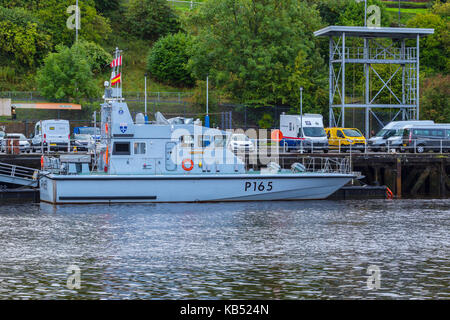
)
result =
(191, 164)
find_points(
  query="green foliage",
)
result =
(167, 60)
(435, 48)
(95, 55)
(435, 98)
(22, 39)
(199, 98)
(93, 26)
(348, 12)
(7, 74)
(106, 5)
(353, 14)
(266, 121)
(406, 4)
(260, 52)
(53, 16)
(66, 75)
(151, 19)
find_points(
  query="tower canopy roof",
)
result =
(370, 32)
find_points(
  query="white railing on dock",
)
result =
(18, 175)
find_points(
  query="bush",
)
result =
(266, 121)
(168, 58)
(151, 19)
(66, 75)
(435, 93)
(22, 38)
(52, 15)
(95, 55)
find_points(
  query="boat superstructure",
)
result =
(171, 160)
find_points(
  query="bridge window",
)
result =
(187, 141)
(121, 148)
(139, 148)
(219, 141)
(204, 141)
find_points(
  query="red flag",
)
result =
(116, 62)
(115, 80)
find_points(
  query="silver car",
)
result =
(24, 145)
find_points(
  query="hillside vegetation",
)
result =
(255, 52)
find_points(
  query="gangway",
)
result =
(18, 175)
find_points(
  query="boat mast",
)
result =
(113, 93)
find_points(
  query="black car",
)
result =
(421, 139)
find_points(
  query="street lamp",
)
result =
(145, 96)
(207, 102)
(301, 107)
(301, 118)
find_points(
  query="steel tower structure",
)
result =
(374, 51)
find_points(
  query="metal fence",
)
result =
(185, 4)
(35, 96)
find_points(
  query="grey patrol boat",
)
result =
(172, 160)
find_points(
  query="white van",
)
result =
(393, 132)
(52, 134)
(303, 132)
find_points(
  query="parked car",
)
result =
(54, 134)
(393, 132)
(422, 139)
(239, 142)
(2, 135)
(24, 145)
(303, 132)
(83, 142)
(93, 131)
(345, 139)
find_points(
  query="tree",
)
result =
(66, 75)
(23, 40)
(259, 52)
(168, 58)
(347, 12)
(435, 93)
(151, 19)
(95, 55)
(353, 13)
(53, 15)
(435, 48)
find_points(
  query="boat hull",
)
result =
(59, 189)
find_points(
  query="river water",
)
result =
(264, 250)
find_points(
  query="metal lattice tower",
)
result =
(374, 50)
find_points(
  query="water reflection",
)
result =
(265, 250)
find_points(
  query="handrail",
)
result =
(10, 170)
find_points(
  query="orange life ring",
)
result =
(191, 166)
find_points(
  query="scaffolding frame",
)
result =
(372, 53)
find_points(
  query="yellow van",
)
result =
(343, 138)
